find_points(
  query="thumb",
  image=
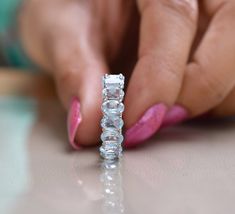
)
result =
(64, 43)
(79, 88)
(78, 80)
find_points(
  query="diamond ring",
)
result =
(112, 123)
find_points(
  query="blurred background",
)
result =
(188, 168)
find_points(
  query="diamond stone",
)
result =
(113, 80)
(113, 93)
(110, 154)
(112, 122)
(110, 146)
(111, 136)
(112, 107)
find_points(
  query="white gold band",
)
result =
(112, 123)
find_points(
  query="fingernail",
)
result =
(74, 119)
(175, 115)
(148, 124)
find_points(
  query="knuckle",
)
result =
(215, 89)
(211, 87)
(188, 9)
(161, 69)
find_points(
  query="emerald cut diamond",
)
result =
(112, 123)
(110, 154)
(115, 80)
(112, 107)
(113, 93)
(111, 136)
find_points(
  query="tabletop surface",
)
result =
(184, 169)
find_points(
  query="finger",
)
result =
(226, 108)
(210, 76)
(166, 34)
(78, 75)
(78, 63)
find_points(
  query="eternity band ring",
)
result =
(112, 123)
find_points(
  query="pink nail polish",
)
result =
(148, 124)
(175, 115)
(74, 119)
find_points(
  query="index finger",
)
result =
(166, 34)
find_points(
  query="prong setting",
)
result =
(112, 123)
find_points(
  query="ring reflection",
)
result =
(111, 179)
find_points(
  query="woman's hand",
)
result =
(185, 64)
(75, 40)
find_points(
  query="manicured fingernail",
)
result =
(74, 119)
(175, 115)
(148, 124)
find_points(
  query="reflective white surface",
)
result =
(185, 169)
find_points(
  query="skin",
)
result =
(179, 52)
